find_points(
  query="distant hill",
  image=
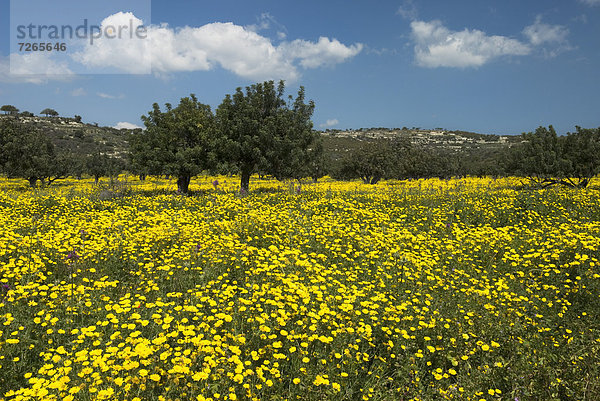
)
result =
(80, 138)
(338, 142)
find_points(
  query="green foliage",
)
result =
(49, 112)
(397, 159)
(262, 133)
(27, 153)
(546, 159)
(101, 165)
(9, 109)
(582, 151)
(178, 141)
(371, 162)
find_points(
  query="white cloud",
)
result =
(591, 2)
(125, 52)
(235, 48)
(437, 46)
(107, 96)
(34, 67)
(324, 52)
(78, 92)
(126, 125)
(265, 22)
(539, 33)
(330, 123)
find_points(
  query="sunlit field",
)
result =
(467, 289)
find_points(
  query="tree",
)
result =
(49, 112)
(370, 162)
(261, 132)
(101, 165)
(27, 153)
(77, 118)
(540, 157)
(581, 150)
(9, 109)
(547, 159)
(178, 141)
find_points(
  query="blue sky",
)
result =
(500, 67)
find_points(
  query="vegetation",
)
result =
(49, 112)
(29, 154)
(262, 133)
(401, 287)
(258, 130)
(9, 109)
(178, 142)
(463, 289)
(547, 159)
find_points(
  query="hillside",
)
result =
(82, 138)
(337, 142)
(72, 136)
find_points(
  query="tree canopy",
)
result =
(261, 132)
(28, 153)
(178, 141)
(547, 159)
(49, 112)
(9, 109)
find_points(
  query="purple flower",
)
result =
(5, 287)
(72, 255)
(215, 183)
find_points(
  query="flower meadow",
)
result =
(463, 289)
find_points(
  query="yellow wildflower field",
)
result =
(466, 289)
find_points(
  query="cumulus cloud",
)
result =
(438, 46)
(539, 33)
(330, 123)
(321, 53)
(125, 125)
(34, 67)
(241, 50)
(124, 51)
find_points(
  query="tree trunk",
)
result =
(245, 183)
(375, 179)
(32, 182)
(96, 179)
(183, 183)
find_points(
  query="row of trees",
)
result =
(543, 157)
(28, 153)
(252, 131)
(9, 109)
(548, 159)
(259, 130)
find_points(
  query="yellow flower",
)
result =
(320, 380)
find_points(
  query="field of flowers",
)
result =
(469, 289)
